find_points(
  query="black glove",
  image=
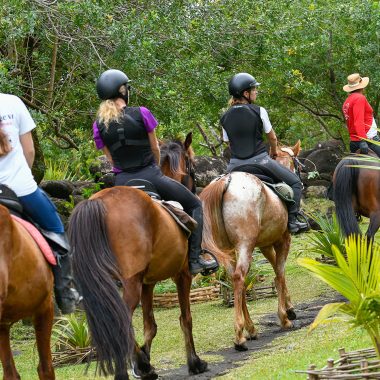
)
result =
(363, 147)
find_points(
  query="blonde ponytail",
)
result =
(5, 146)
(108, 111)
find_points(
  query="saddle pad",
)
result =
(39, 239)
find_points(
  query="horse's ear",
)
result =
(297, 148)
(188, 140)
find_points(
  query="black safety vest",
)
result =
(244, 128)
(127, 140)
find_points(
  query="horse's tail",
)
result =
(215, 237)
(345, 187)
(95, 269)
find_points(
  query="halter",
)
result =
(296, 162)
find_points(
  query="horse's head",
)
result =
(177, 161)
(288, 156)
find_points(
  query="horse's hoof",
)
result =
(197, 366)
(291, 314)
(241, 347)
(252, 337)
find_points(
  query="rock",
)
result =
(58, 189)
(207, 168)
(316, 192)
(99, 167)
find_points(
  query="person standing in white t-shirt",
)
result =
(16, 160)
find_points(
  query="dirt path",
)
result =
(306, 313)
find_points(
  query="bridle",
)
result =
(190, 174)
(293, 159)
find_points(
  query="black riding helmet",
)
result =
(109, 82)
(240, 83)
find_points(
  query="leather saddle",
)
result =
(175, 209)
(283, 190)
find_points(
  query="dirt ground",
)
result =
(270, 328)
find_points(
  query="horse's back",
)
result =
(252, 209)
(143, 235)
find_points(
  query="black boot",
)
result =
(65, 295)
(295, 226)
(196, 263)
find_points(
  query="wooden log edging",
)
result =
(360, 364)
(197, 295)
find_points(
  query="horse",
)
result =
(177, 161)
(133, 241)
(26, 290)
(357, 191)
(241, 213)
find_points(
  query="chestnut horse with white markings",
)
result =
(241, 213)
(26, 290)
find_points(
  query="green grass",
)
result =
(213, 330)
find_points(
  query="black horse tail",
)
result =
(95, 270)
(345, 187)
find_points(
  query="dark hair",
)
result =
(5, 146)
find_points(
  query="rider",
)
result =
(16, 160)
(359, 116)
(243, 126)
(127, 137)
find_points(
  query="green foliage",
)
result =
(357, 278)
(72, 332)
(95, 187)
(328, 236)
(58, 170)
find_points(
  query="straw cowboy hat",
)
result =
(355, 82)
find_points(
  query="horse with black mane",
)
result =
(121, 235)
(357, 191)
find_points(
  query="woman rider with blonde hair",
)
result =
(127, 137)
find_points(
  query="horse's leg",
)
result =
(374, 224)
(238, 278)
(248, 323)
(43, 323)
(132, 296)
(6, 357)
(150, 326)
(183, 282)
(285, 307)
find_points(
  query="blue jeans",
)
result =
(42, 210)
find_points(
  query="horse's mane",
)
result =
(171, 153)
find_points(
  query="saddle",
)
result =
(283, 190)
(9, 199)
(175, 209)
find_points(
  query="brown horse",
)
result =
(26, 290)
(357, 190)
(122, 234)
(177, 161)
(241, 213)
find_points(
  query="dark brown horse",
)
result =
(357, 190)
(122, 234)
(177, 161)
(26, 290)
(241, 213)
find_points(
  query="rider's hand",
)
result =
(363, 147)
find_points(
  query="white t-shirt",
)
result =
(267, 126)
(15, 120)
(372, 132)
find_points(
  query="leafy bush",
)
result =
(357, 278)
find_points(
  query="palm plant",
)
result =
(328, 236)
(357, 278)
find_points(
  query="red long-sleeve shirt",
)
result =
(358, 114)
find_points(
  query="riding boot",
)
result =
(294, 225)
(196, 263)
(66, 296)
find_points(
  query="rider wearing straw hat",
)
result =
(359, 116)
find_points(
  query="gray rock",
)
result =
(207, 168)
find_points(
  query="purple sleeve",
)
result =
(97, 138)
(149, 120)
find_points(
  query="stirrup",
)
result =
(207, 272)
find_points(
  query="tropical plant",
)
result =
(329, 235)
(72, 340)
(357, 278)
